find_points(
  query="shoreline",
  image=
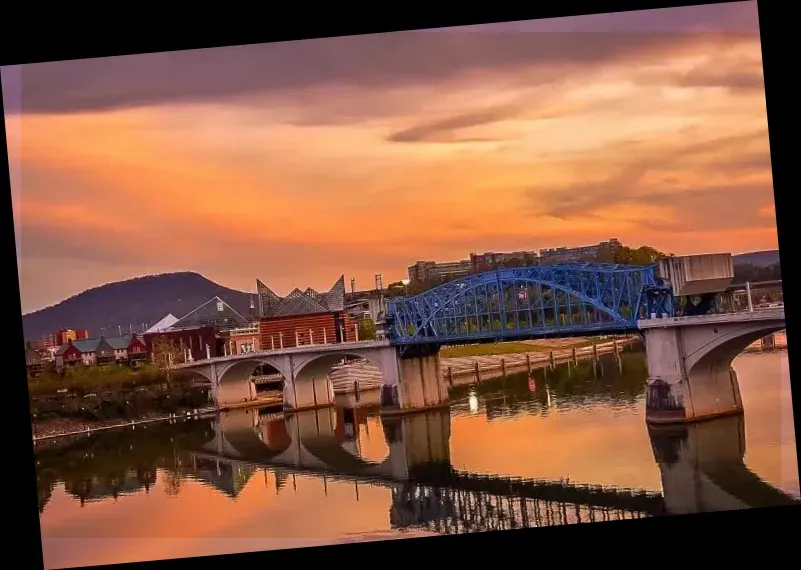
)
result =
(73, 427)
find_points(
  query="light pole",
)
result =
(405, 287)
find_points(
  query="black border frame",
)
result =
(80, 35)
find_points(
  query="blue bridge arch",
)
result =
(530, 302)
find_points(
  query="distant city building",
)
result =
(423, 271)
(303, 317)
(59, 338)
(490, 260)
(577, 254)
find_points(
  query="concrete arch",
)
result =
(309, 440)
(711, 380)
(690, 363)
(233, 379)
(726, 345)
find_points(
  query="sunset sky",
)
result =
(297, 162)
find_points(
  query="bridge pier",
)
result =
(690, 376)
(418, 386)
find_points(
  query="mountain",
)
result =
(131, 303)
(757, 258)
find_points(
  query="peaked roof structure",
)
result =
(85, 346)
(299, 302)
(163, 324)
(119, 342)
(214, 312)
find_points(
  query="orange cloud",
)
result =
(300, 184)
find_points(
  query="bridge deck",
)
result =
(772, 314)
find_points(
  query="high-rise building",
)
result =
(431, 270)
(578, 254)
(491, 260)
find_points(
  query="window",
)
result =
(220, 306)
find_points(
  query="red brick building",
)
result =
(304, 317)
(194, 339)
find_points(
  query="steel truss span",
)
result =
(558, 300)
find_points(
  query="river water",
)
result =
(565, 445)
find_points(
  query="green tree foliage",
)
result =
(643, 255)
(367, 329)
(754, 273)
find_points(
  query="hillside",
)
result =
(132, 302)
(757, 258)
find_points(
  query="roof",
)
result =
(89, 345)
(119, 342)
(218, 315)
(163, 324)
(301, 302)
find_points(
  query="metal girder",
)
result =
(555, 300)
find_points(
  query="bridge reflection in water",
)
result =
(701, 465)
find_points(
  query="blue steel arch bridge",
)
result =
(578, 299)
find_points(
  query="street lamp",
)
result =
(405, 286)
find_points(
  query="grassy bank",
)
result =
(98, 379)
(513, 347)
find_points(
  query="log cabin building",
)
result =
(303, 317)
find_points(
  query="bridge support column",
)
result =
(419, 386)
(675, 394)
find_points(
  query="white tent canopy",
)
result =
(163, 324)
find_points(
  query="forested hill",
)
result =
(757, 258)
(131, 302)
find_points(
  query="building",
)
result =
(214, 313)
(423, 271)
(129, 349)
(85, 353)
(35, 361)
(491, 260)
(241, 341)
(304, 317)
(193, 343)
(603, 251)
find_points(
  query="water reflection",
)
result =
(702, 468)
(424, 471)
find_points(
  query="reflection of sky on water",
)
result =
(598, 437)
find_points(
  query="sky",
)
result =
(297, 162)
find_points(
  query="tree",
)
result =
(165, 352)
(367, 329)
(643, 255)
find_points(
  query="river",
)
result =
(173, 490)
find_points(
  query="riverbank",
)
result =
(66, 427)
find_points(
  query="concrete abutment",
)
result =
(690, 374)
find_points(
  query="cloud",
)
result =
(446, 130)
(630, 182)
(377, 60)
(297, 162)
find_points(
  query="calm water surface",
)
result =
(515, 451)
